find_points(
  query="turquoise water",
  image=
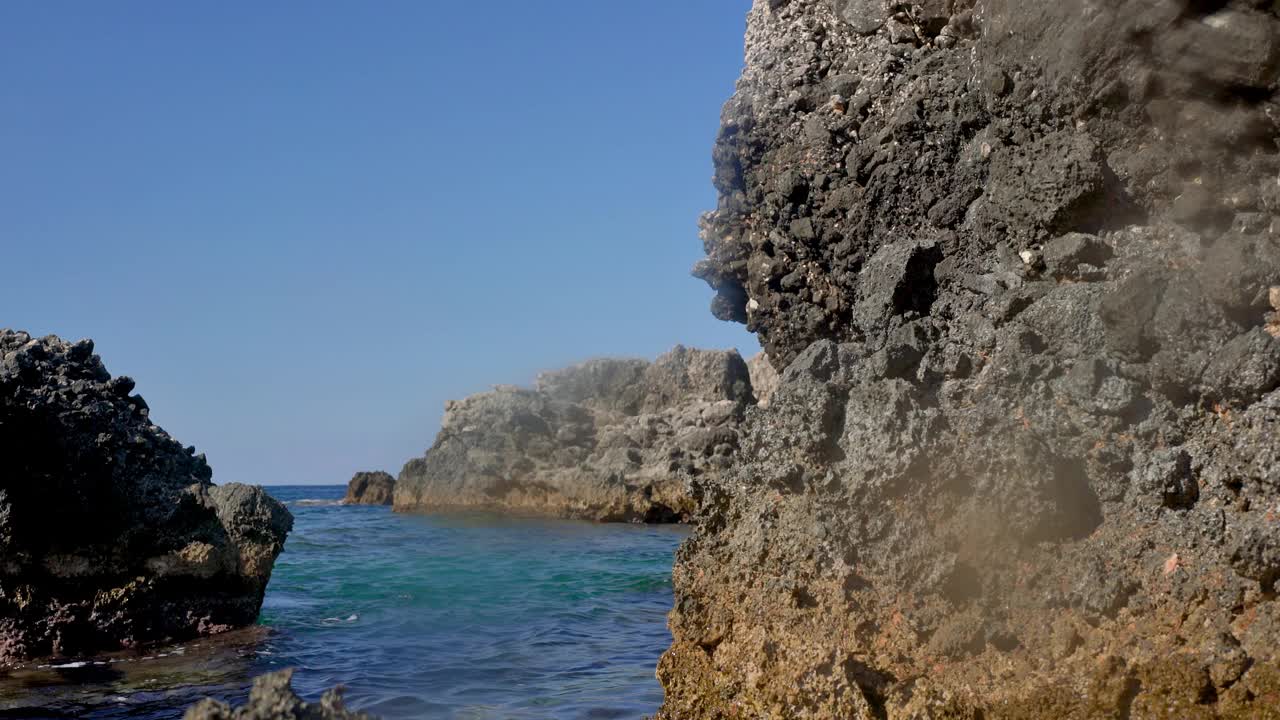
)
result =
(467, 617)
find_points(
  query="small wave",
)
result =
(333, 620)
(314, 502)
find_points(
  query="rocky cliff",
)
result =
(610, 440)
(370, 488)
(1019, 261)
(111, 533)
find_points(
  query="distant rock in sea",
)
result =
(370, 488)
(111, 533)
(613, 440)
(272, 698)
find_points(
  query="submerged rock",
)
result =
(1022, 460)
(272, 698)
(370, 488)
(610, 440)
(111, 533)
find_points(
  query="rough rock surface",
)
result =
(610, 440)
(764, 379)
(272, 698)
(1019, 262)
(111, 534)
(371, 488)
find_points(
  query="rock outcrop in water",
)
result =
(371, 488)
(272, 698)
(610, 440)
(111, 533)
(1019, 261)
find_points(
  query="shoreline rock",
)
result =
(370, 488)
(273, 698)
(610, 440)
(112, 534)
(1016, 268)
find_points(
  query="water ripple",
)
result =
(462, 617)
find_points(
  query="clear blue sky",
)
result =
(302, 226)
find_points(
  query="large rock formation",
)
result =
(111, 534)
(273, 698)
(1019, 260)
(370, 488)
(609, 440)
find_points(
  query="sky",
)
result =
(303, 226)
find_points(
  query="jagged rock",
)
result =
(1022, 458)
(371, 488)
(610, 440)
(111, 533)
(272, 698)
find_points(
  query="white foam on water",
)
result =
(333, 620)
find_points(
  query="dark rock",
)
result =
(1031, 385)
(1170, 474)
(111, 534)
(1064, 256)
(609, 440)
(1245, 369)
(1255, 550)
(272, 698)
(1053, 183)
(371, 488)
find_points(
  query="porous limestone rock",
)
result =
(611, 440)
(111, 533)
(1016, 262)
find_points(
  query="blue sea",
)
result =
(466, 617)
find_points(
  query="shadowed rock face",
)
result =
(1018, 261)
(272, 698)
(111, 534)
(609, 440)
(370, 488)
